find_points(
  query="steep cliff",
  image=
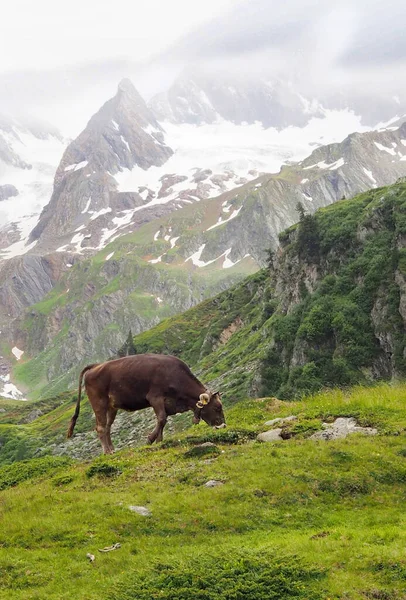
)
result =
(328, 311)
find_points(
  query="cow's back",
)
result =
(129, 381)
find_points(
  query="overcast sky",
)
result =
(56, 56)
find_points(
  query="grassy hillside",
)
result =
(293, 519)
(88, 314)
(330, 310)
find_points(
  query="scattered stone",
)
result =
(91, 557)
(274, 435)
(2, 410)
(141, 510)
(280, 419)
(34, 414)
(206, 445)
(208, 461)
(213, 483)
(341, 427)
(110, 548)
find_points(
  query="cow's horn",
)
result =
(203, 400)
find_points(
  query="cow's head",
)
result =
(210, 409)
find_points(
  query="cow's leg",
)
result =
(100, 407)
(101, 428)
(158, 404)
(111, 415)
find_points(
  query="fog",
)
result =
(353, 52)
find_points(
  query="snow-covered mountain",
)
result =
(29, 156)
(207, 183)
(198, 96)
(127, 168)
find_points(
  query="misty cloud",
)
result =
(335, 53)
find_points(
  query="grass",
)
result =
(293, 519)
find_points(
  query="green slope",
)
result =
(329, 311)
(293, 519)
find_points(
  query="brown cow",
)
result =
(135, 382)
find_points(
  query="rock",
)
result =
(7, 191)
(280, 419)
(341, 427)
(141, 510)
(273, 435)
(91, 557)
(34, 414)
(213, 483)
(206, 445)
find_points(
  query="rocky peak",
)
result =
(200, 96)
(123, 134)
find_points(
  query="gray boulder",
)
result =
(274, 435)
(341, 428)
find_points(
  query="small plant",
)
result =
(199, 451)
(62, 480)
(103, 469)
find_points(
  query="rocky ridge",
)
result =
(170, 265)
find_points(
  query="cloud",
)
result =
(353, 50)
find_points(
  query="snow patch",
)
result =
(17, 352)
(9, 389)
(87, 206)
(173, 241)
(195, 258)
(125, 143)
(109, 256)
(156, 260)
(323, 165)
(385, 148)
(99, 213)
(77, 166)
(371, 177)
(221, 222)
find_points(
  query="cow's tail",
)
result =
(77, 409)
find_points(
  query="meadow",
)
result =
(293, 519)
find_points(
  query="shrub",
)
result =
(11, 475)
(103, 469)
(233, 576)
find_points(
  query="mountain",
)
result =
(169, 265)
(29, 154)
(190, 231)
(198, 96)
(204, 95)
(328, 311)
(122, 134)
